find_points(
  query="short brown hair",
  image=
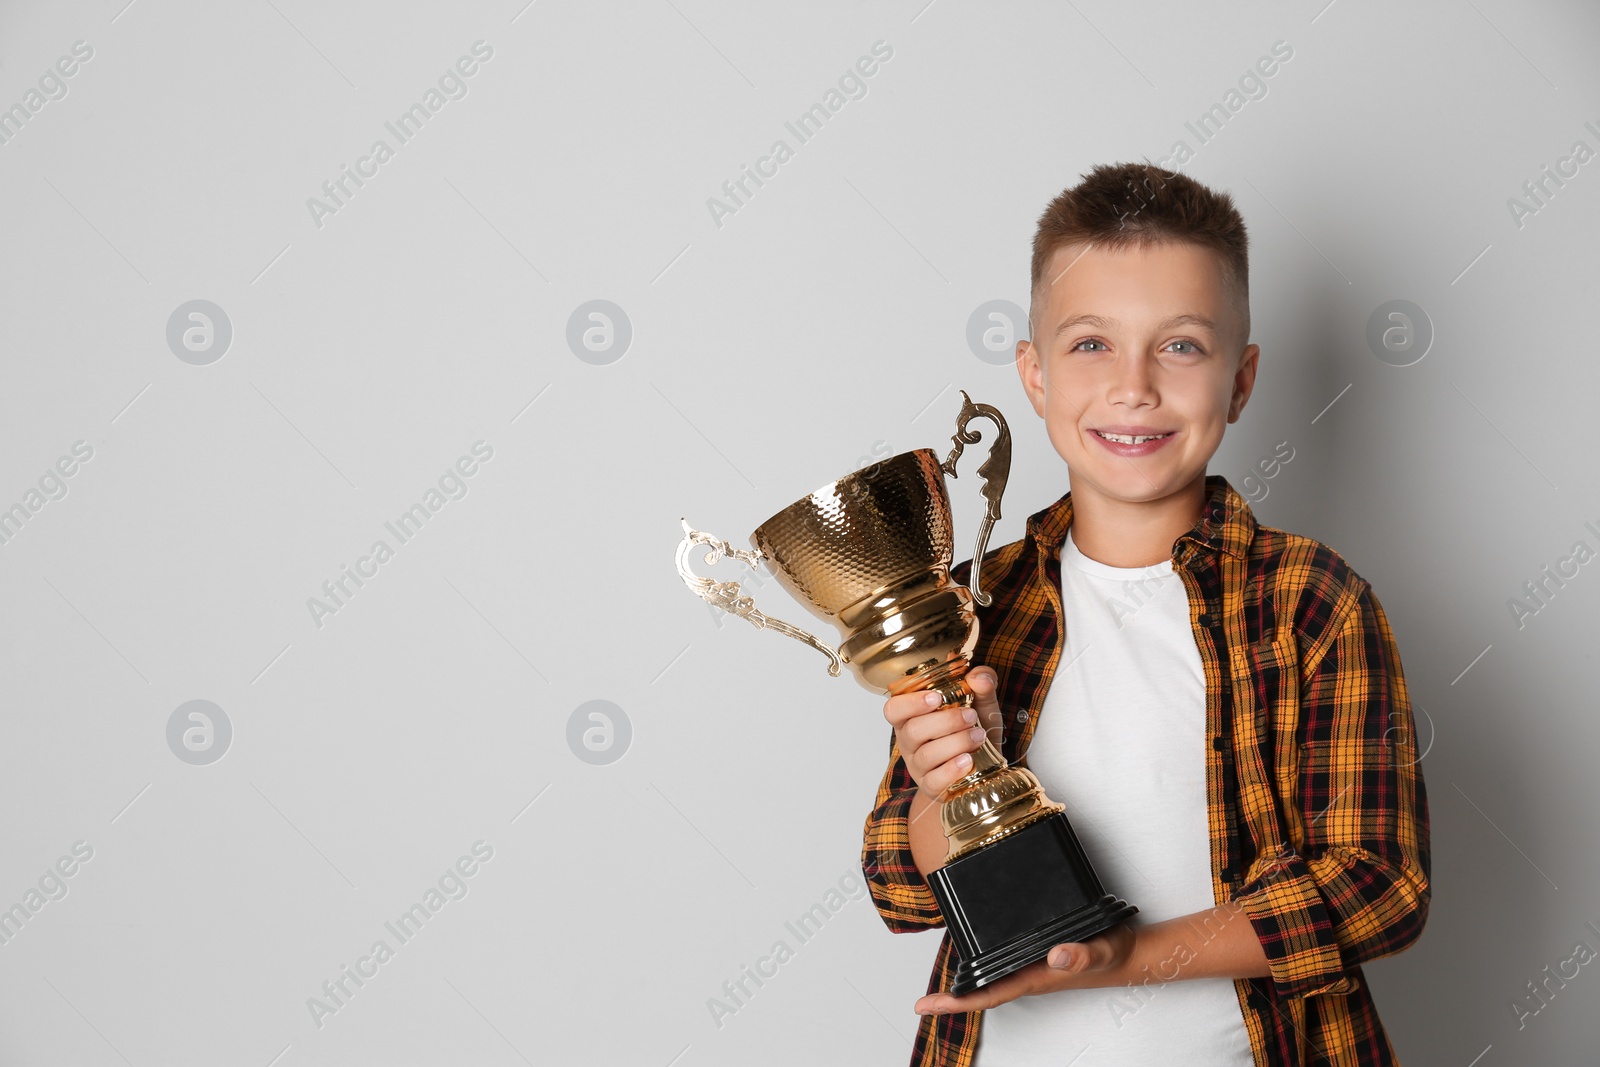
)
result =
(1118, 205)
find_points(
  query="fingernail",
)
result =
(963, 761)
(969, 715)
(934, 698)
(977, 735)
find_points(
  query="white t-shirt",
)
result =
(1121, 741)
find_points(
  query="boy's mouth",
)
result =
(1132, 438)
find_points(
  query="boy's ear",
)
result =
(1244, 381)
(1032, 375)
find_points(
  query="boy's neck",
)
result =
(1122, 533)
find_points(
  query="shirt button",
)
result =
(1227, 874)
(1205, 620)
(1219, 743)
(1022, 716)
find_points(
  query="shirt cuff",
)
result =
(1285, 906)
(898, 888)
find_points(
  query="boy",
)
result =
(1219, 704)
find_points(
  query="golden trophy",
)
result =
(871, 553)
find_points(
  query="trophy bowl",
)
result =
(871, 552)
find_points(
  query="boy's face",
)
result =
(1115, 352)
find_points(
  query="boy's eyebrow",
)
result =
(1185, 318)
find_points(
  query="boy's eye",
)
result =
(1192, 349)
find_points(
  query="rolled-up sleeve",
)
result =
(1359, 888)
(898, 888)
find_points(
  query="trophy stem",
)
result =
(994, 799)
(986, 760)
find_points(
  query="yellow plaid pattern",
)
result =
(1316, 803)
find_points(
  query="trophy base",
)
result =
(1007, 904)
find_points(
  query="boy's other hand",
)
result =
(1100, 962)
(936, 742)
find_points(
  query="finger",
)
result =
(946, 774)
(901, 709)
(943, 752)
(985, 684)
(932, 725)
(1006, 989)
(1081, 955)
(1067, 957)
(940, 762)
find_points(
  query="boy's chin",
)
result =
(1130, 485)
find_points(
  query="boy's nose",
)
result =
(1132, 382)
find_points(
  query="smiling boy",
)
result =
(1220, 704)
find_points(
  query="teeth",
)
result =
(1127, 439)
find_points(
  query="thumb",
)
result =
(1065, 958)
(986, 702)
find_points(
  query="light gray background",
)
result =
(821, 326)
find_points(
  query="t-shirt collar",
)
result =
(1226, 523)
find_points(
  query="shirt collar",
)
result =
(1225, 524)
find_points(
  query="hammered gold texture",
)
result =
(866, 531)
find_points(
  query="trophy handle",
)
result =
(994, 472)
(725, 595)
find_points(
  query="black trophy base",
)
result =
(1007, 904)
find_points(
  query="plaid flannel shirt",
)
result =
(1317, 812)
